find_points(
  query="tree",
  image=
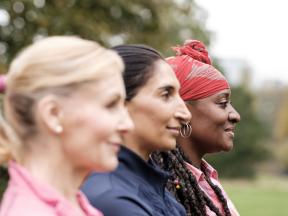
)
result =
(159, 24)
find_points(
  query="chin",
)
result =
(170, 145)
(108, 165)
(112, 166)
(227, 147)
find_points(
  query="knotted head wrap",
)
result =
(197, 77)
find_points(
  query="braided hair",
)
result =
(183, 184)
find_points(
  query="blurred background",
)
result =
(247, 41)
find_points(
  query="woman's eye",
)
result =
(224, 104)
(112, 104)
(166, 95)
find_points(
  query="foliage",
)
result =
(159, 24)
(280, 153)
(272, 103)
(3, 180)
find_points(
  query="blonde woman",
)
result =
(63, 117)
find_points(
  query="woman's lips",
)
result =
(174, 130)
(230, 131)
(115, 145)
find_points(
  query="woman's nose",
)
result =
(126, 124)
(234, 115)
(183, 113)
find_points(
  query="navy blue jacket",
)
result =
(135, 188)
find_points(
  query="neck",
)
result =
(191, 151)
(52, 168)
(140, 149)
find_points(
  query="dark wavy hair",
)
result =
(183, 184)
(139, 63)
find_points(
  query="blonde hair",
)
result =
(52, 65)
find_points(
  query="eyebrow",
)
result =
(116, 97)
(226, 95)
(167, 88)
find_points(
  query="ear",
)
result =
(49, 112)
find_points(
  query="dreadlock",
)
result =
(218, 192)
(183, 184)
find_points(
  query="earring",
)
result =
(186, 130)
(59, 129)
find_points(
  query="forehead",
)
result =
(105, 86)
(223, 94)
(162, 75)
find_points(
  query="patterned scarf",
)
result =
(192, 66)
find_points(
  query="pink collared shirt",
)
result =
(25, 196)
(204, 185)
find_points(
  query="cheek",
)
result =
(93, 119)
(86, 140)
(217, 115)
(201, 122)
(149, 123)
(100, 125)
(204, 129)
(158, 113)
(209, 118)
(87, 123)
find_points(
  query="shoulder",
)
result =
(120, 202)
(96, 184)
(13, 205)
(112, 195)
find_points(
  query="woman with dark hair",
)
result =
(137, 187)
(206, 93)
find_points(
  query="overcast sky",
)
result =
(256, 31)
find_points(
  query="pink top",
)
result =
(2, 83)
(204, 185)
(26, 196)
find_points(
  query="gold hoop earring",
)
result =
(186, 130)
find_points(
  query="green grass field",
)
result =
(266, 196)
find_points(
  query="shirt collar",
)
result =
(198, 173)
(20, 177)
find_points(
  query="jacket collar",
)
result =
(142, 170)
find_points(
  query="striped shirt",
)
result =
(204, 185)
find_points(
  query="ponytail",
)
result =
(9, 142)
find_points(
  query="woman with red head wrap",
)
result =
(207, 95)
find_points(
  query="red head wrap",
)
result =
(197, 77)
